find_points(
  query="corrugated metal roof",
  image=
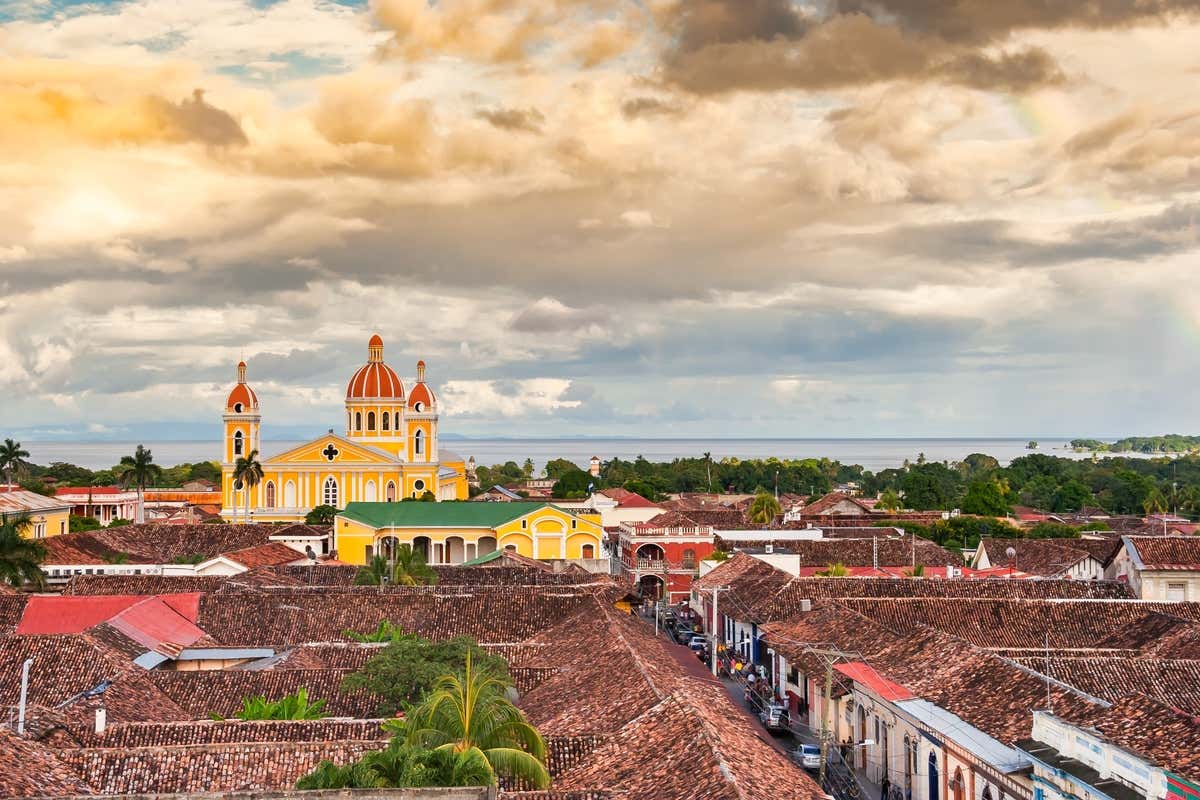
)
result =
(17, 501)
(956, 729)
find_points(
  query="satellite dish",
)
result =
(1011, 552)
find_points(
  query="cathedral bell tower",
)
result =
(242, 423)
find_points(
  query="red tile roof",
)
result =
(628, 499)
(1168, 552)
(265, 555)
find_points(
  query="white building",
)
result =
(1070, 762)
(1162, 568)
(102, 503)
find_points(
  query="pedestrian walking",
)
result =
(885, 786)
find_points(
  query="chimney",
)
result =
(101, 719)
(769, 548)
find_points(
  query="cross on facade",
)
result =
(330, 452)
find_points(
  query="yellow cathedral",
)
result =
(390, 450)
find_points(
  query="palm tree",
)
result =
(386, 632)
(1154, 503)
(20, 558)
(470, 715)
(410, 568)
(12, 457)
(138, 470)
(889, 500)
(406, 567)
(401, 765)
(375, 573)
(763, 508)
(249, 473)
(837, 570)
(708, 470)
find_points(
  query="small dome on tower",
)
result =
(242, 398)
(421, 399)
(375, 379)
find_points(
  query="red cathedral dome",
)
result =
(242, 398)
(375, 380)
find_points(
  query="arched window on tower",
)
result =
(237, 443)
(330, 494)
(269, 491)
(358, 420)
(391, 492)
(370, 420)
(419, 442)
(386, 420)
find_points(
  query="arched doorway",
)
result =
(486, 546)
(455, 550)
(960, 787)
(289, 495)
(651, 587)
(934, 784)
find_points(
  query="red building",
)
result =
(661, 556)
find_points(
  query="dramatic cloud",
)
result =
(669, 217)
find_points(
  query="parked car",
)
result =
(774, 716)
(698, 641)
(684, 634)
(808, 756)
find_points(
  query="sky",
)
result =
(719, 218)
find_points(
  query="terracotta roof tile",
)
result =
(39, 774)
(1168, 552)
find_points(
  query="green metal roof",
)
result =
(492, 556)
(446, 514)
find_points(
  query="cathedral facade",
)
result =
(390, 450)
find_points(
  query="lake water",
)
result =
(872, 454)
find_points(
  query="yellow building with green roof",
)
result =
(455, 532)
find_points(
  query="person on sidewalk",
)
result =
(884, 787)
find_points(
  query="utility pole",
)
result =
(831, 657)
(716, 622)
(24, 693)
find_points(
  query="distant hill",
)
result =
(1168, 443)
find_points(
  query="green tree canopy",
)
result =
(986, 497)
(557, 467)
(404, 671)
(20, 558)
(321, 515)
(572, 484)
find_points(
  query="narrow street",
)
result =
(843, 782)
